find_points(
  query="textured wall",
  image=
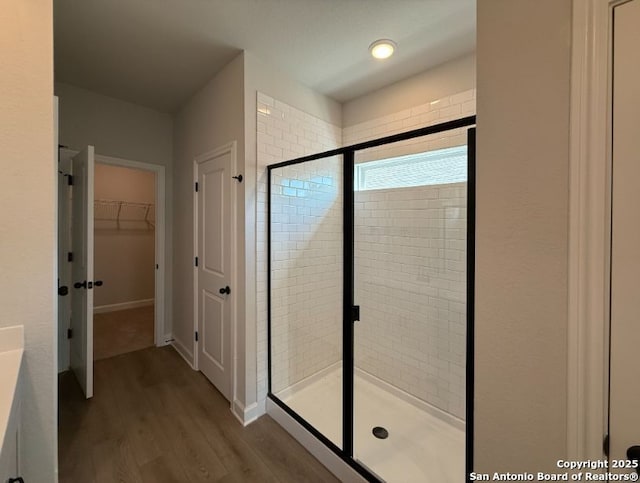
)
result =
(524, 77)
(28, 221)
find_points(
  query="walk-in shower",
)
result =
(370, 301)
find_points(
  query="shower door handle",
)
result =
(225, 290)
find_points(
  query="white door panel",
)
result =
(214, 272)
(624, 422)
(81, 345)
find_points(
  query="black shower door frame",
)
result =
(349, 309)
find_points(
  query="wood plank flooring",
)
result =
(154, 419)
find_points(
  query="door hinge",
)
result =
(70, 180)
(69, 256)
(69, 333)
(605, 445)
(196, 186)
(356, 313)
(196, 336)
(196, 260)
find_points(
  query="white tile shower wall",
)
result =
(306, 267)
(411, 264)
(434, 112)
(302, 345)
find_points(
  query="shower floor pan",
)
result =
(423, 445)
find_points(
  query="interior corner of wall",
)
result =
(182, 349)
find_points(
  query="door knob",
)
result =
(64, 290)
(80, 284)
(226, 290)
(633, 454)
(97, 283)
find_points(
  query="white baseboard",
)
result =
(246, 415)
(262, 408)
(166, 340)
(186, 354)
(134, 304)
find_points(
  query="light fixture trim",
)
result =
(383, 48)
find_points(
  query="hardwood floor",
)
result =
(153, 419)
(122, 331)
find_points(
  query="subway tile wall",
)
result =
(432, 112)
(413, 341)
(306, 276)
(306, 267)
(411, 264)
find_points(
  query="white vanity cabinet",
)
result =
(11, 348)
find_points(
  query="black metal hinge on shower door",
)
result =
(69, 333)
(196, 261)
(196, 186)
(196, 336)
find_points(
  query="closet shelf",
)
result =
(125, 214)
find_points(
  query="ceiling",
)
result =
(157, 53)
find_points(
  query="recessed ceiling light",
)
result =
(383, 48)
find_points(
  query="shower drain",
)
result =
(380, 433)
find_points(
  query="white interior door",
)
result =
(81, 350)
(624, 416)
(214, 269)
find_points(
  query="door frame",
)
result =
(589, 228)
(230, 148)
(161, 337)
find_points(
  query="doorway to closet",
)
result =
(115, 207)
(124, 259)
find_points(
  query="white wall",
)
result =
(28, 229)
(115, 127)
(524, 51)
(123, 130)
(124, 253)
(213, 117)
(442, 81)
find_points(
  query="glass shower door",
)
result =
(410, 230)
(306, 294)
